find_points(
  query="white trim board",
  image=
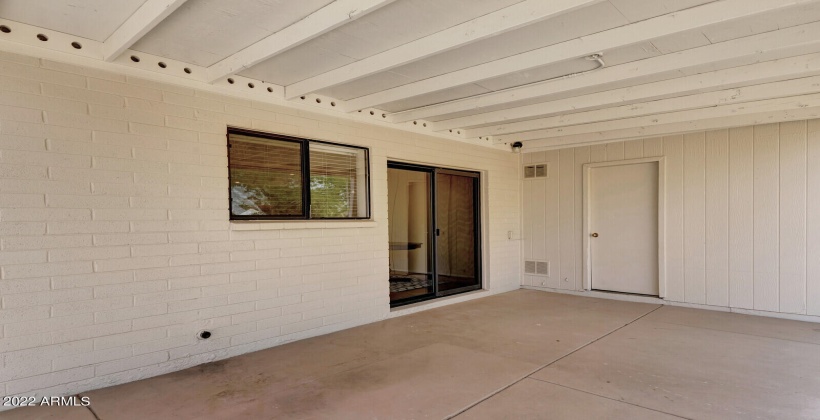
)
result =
(124, 66)
(645, 299)
(587, 277)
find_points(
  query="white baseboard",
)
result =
(659, 301)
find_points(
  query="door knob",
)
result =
(594, 235)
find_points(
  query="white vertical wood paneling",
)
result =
(766, 217)
(528, 215)
(597, 153)
(694, 217)
(552, 224)
(539, 218)
(653, 147)
(741, 222)
(566, 211)
(813, 219)
(581, 157)
(615, 151)
(673, 151)
(537, 157)
(633, 149)
(528, 280)
(717, 218)
(793, 217)
(742, 215)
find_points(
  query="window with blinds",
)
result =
(279, 177)
(337, 175)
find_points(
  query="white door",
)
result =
(623, 225)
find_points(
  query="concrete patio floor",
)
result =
(523, 354)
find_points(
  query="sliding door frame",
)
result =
(433, 171)
(476, 229)
(430, 233)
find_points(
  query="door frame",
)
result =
(587, 257)
(479, 224)
(478, 237)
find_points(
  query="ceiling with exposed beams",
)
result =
(546, 73)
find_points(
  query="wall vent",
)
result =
(536, 171)
(539, 268)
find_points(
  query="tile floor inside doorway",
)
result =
(523, 354)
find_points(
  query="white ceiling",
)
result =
(389, 55)
(92, 19)
(203, 32)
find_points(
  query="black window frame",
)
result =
(305, 172)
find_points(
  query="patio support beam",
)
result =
(669, 24)
(314, 25)
(149, 15)
(495, 23)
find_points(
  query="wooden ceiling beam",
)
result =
(615, 117)
(741, 61)
(725, 116)
(495, 23)
(314, 25)
(673, 129)
(734, 85)
(149, 15)
(665, 25)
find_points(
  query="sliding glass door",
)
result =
(434, 232)
(456, 210)
(410, 219)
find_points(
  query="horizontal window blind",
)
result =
(266, 177)
(337, 181)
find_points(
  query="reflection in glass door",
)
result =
(433, 229)
(456, 231)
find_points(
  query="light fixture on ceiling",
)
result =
(516, 147)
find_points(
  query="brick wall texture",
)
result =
(115, 243)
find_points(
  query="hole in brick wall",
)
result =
(333, 104)
(451, 131)
(415, 122)
(162, 65)
(318, 101)
(270, 89)
(459, 132)
(372, 113)
(425, 124)
(135, 59)
(302, 98)
(230, 80)
(187, 70)
(251, 85)
(77, 45)
(5, 29)
(42, 37)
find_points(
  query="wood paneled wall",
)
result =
(742, 215)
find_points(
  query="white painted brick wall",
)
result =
(115, 245)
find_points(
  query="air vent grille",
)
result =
(529, 267)
(539, 268)
(536, 171)
(529, 172)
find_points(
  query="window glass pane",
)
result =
(266, 177)
(338, 181)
